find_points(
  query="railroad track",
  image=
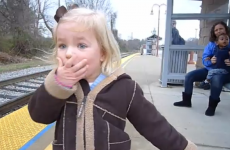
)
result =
(16, 92)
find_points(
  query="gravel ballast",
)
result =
(23, 72)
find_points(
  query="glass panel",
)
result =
(199, 6)
(192, 29)
(189, 30)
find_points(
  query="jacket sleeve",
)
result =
(153, 126)
(48, 100)
(208, 52)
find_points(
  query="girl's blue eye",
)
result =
(62, 46)
(82, 46)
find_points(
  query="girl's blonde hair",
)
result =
(96, 22)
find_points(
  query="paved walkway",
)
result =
(209, 133)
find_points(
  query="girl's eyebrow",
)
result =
(61, 39)
(81, 38)
(76, 38)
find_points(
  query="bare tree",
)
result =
(101, 5)
(20, 25)
(15, 15)
(192, 41)
(24, 22)
(18, 21)
(98, 5)
(41, 7)
(113, 18)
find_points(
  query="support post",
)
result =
(168, 34)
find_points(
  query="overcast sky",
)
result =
(134, 17)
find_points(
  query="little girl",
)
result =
(90, 97)
(221, 52)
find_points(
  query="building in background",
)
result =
(151, 44)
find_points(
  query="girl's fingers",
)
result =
(69, 62)
(75, 75)
(76, 72)
(60, 63)
(82, 76)
(68, 77)
(79, 65)
(80, 72)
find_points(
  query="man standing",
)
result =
(176, 38)
(175, 55)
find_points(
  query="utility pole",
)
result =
(111, 22)
(158, 30)
(195, 33)
(59, 3)
(158, 27)
(132, 36)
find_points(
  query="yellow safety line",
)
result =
(124, 60)
(127, 59)
(17, 128)
(50, 147)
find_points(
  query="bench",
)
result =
(226, 87)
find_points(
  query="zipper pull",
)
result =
(82, 107)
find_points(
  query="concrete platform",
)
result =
(209, 133)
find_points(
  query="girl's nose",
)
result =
(68, 54)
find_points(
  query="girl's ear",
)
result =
(102, 56)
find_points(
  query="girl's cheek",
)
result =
(64, 60)
(58, 53)
(222, 31)
(61, 54)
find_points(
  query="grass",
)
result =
(24, 65)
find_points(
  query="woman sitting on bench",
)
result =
(217, 81)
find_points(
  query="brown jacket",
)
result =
(102, 123)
